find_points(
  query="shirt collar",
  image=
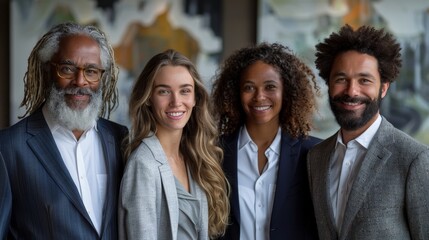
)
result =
(365, 138)
(276, 144)
(244, 139)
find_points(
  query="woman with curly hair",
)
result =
(173, 186)
(264, 99)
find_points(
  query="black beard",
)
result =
(348, 119)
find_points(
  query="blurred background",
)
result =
(208, 31)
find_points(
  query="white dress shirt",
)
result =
(84, 160)
(256, 191)
(345, 165)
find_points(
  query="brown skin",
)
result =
(356, 75)
(82, 51)
(299, 89)
(261, 89)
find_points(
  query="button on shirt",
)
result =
(345, 165)
(256, 191)
(84, 160)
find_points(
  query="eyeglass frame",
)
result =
(56, 65)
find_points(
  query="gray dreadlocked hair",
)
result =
(37, 79)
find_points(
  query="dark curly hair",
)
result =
(366, 39)
(299, 89)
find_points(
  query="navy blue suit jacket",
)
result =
(292, 216)
(40, 198)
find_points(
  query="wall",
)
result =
(239, 24)
(4, 65)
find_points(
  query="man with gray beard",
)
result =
(62, 164)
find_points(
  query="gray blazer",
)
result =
(390, 195)
(148, 202)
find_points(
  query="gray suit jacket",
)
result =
(40, 199)
(148, 201)
(390, 195)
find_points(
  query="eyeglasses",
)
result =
(68, 71)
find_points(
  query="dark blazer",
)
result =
(292, 216)
(5, 199)
(389, 198)
(45, 201)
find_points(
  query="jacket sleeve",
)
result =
(5, 199)
(417, 196)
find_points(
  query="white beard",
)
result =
(74, 119)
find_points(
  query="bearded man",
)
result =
(369, 180)
(62, 163)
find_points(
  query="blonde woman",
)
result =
(173, 186)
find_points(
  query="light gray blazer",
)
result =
(148, 202)
(390, 195)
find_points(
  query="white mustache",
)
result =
(79, 91)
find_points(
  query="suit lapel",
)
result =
(372, 165)
(288, 161)
(172, 201)
(230, 162)
(44, 147)
(109, 146)
(168, 182)
(321, 170)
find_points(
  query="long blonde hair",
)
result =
(199, 138)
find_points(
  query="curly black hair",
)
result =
(366, 39)
(299, 89)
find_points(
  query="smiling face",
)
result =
(173, 97)
(261, 89)
(355, 90)
(74, 102)
(81, 51)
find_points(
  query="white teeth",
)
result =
(175, 114)
(262, 108)
(351, 103)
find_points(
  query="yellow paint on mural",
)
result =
(140, 43)
(359, 13)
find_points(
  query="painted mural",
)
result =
(138, 29)
(301, 24)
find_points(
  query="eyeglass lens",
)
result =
(69, 71)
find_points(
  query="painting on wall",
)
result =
(137, 29)
(301, 24)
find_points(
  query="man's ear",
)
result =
(384, 87)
